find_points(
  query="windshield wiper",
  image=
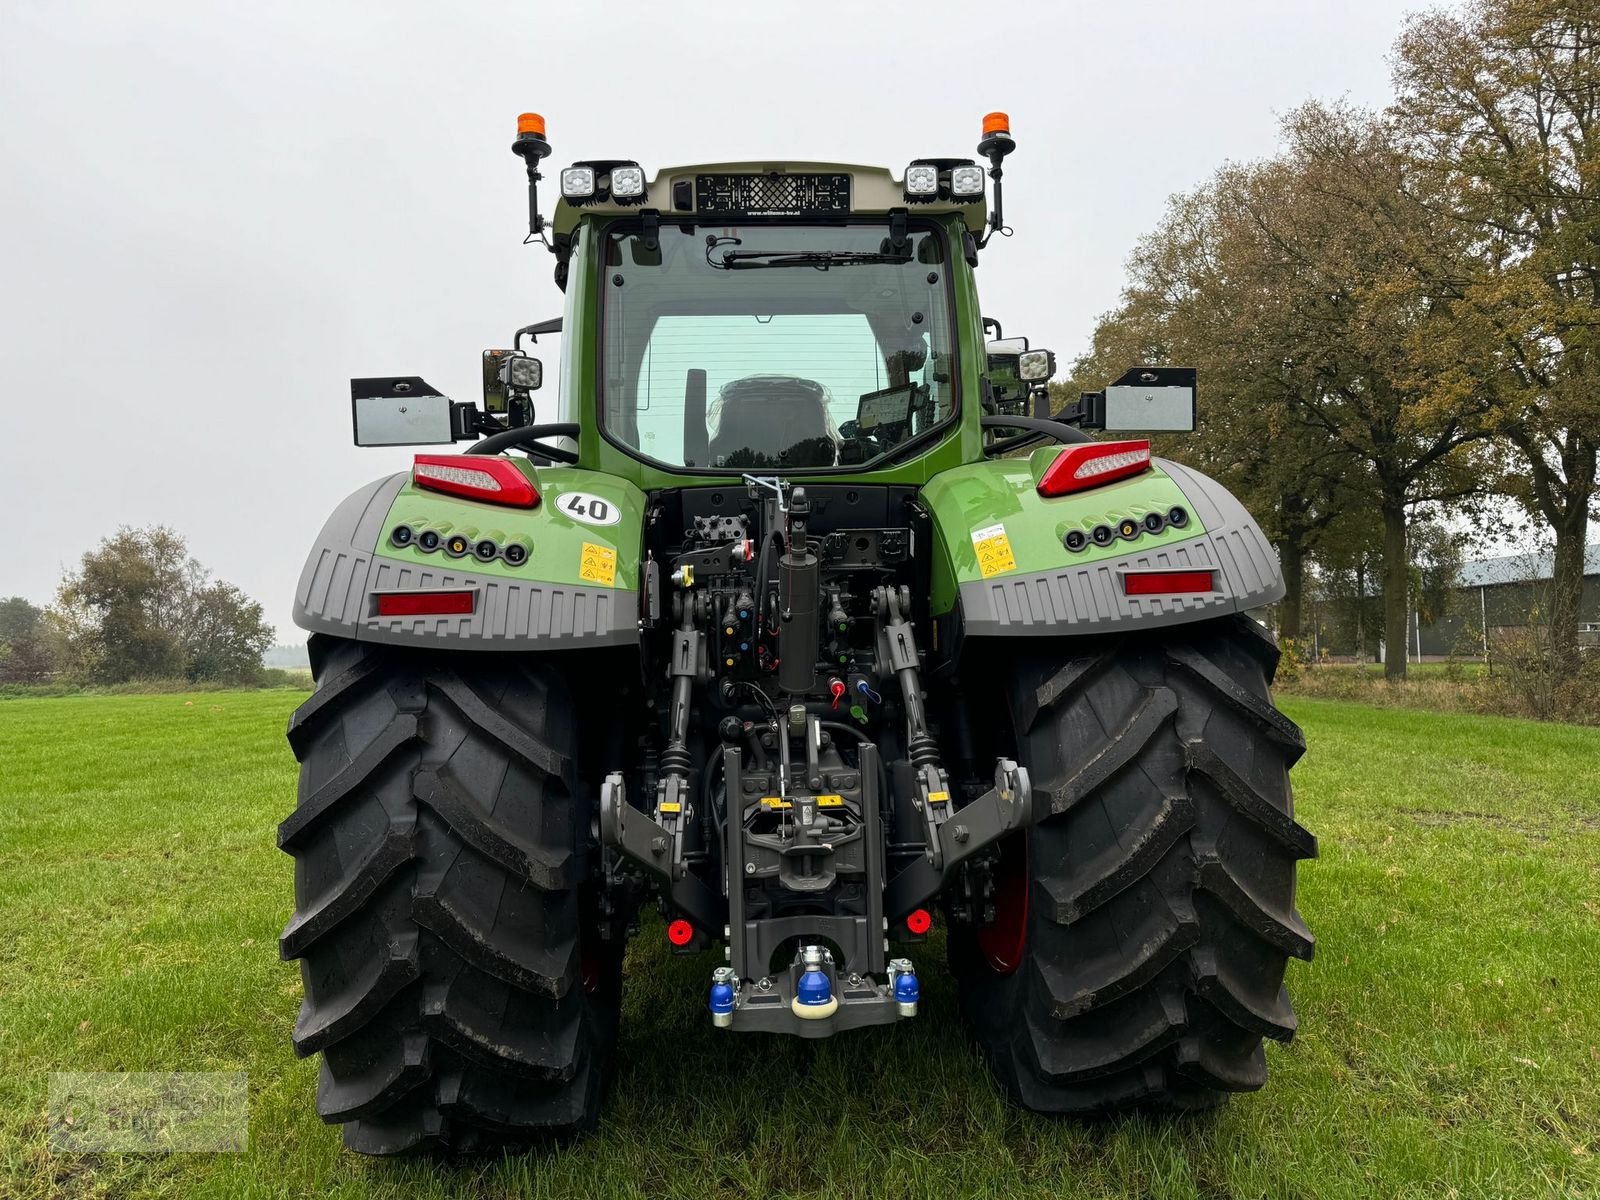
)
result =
(821, 260)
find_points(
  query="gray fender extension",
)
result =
(1088, 598)
(342, 576)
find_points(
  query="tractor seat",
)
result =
(774, 421)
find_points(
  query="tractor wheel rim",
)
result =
(1004, 940)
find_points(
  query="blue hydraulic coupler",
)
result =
(814, 988)
(813, 993)
(722, 981)
(907, 991)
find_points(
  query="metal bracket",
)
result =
(1002, 810)
(639, 838)
(635, 833)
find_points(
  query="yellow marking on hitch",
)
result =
(671, 806)
(938, 797)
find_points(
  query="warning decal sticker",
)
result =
(598, 565)
(994, 550)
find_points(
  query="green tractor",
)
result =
(805, 623)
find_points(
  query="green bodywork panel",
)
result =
(556, 540)
(975, 498)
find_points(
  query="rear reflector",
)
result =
(1089, 464)
(475, 477)
(1167, 583)
(920, 921)
(425, 604)
(680, 932)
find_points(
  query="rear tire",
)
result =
(1146, 964)
(455, 982)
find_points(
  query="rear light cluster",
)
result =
(475, 477)
(1090, 464)
(1128, 529)
(460, 543)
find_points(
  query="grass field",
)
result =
(1450, 1026)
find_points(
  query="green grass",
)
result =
(1450, 1026)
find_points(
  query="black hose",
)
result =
(1035, 427)
(763, 563)
(512, 438)
(758, 752)
(841, 727)
(709, 824)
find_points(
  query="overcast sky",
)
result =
(212, 215)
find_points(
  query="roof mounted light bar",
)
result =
(619, 180)
(929, 179)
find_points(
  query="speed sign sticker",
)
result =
(588, 508)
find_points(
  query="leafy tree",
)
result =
(1325, 399)
(1196, 298)
(226, 633)
(1361, 356)
(1496, 103)
(26, 651)
(139, 606)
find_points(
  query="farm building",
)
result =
(1499, 596)
(1502, 595)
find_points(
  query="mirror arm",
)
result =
(466, 421)
(532, 332)
(1087, 413)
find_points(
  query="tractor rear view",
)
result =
(806, 623)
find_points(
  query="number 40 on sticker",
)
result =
(588, 508)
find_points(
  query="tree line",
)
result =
(1396, 318)
(138, 606)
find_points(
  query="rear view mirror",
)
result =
(1006, 385)
(399, 411)
(494, 388)
(1145, 400)
(508, 374)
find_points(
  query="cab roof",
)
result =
(703, 190)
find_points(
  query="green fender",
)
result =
(1002, 564)
(577, 586)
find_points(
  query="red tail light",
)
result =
(425, 604)
(475, 477)
(920, 921)
(680, 932)
(1089, 464)
(1167, 583)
